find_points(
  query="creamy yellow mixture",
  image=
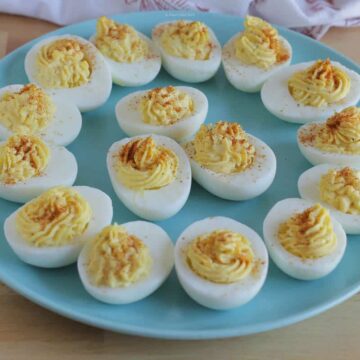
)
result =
(321, 84)
(259, 44)
(117, 258)
(120, 42)
(22, 157)
(308, 235)
(143, 165)
(222, 256)
(55, 218)
(166, 106)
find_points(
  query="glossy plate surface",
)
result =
(169, 312)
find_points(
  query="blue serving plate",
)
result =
(169, 312)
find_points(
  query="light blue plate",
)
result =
(170, 313)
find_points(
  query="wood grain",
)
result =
(29, 332)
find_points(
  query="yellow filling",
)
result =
(22, 157)
(166, 106)
(118, 259)
(308, 235)
(188, 40)
(341, 132)
(63, 63)
(55, 218)
(27, 111)
(119, 42)
(259, 44)
(223, 147)
(319, 85)
(222, 256)
(341, 189)
(143, 165)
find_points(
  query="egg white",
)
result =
(162, 253)
(309, 189)
(188, 70)
(86, 97)
(58, 256)
(294, 266)
(139, 72)
(62, 129)
(129, 116)
(157, 204)
(214, 295)
(317, 156)
(249, 78)
(244, 185)
(277, 99)
(61, 170)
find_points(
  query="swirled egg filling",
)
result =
(119, 42)
(143, 165)
(26, 111)
(341, 189)
(222, 256)
(259, 44)
(117, 258)
(63, 63)
(223, 147)
(55, 218)
(166, 106)
(22, 157)
(188, 40)
(309, 234)
(319, 85)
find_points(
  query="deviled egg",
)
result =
(150, 174)
(230, 163)
(189, 50)
(311, 91)
(29, 166)
(338, 189)
(126, 263)
(72, 68)
(250, 57)
(303, 239)
(50, 230)
(220, 263)
(28, 109)
(173, 111)
(131, 56)
(336, 141)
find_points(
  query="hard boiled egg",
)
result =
(28, 167)
(50, 230)
(250, 57)
(303, 240)
(337, 188)
(150, 174)
(139, 260)
(230, 163)
(189, 50)
(29, 109)
(320, 88)
(72, 68)
(220, 263)
(173, 111)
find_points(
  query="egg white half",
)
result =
(249, 78)
(86, 97)
(58, 256)
(277, 99)
(294, 266)
(162, 253)
(157, 204)
(129, 116)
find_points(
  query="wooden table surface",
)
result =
(29, 332)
